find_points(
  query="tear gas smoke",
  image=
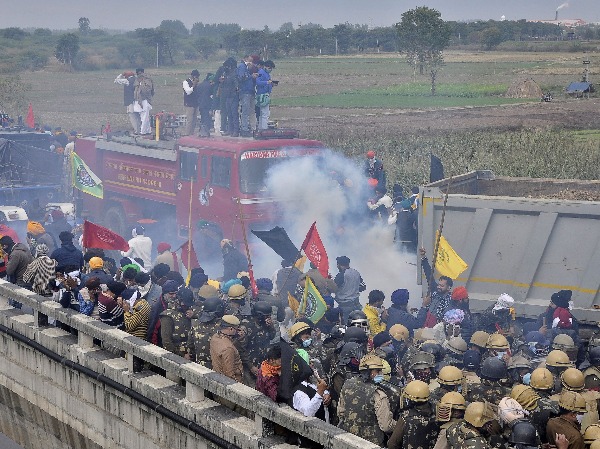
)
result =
(564, 5)
(332, 191)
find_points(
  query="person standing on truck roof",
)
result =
(140, 246)
(230, 95)
(264, 87)
(143, 93)
(190, 101)
(441, 293)
(127, 80)
(205, 104)
(247, 89)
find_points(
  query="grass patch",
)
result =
(411, 95)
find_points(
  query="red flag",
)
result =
(30, 121)
(96, 236)
(192, 256)
(253, 285)
(315, 251)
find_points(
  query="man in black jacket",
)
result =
(68, 257)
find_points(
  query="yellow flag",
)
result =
(448, 263)
(293, 303)
(300, 263)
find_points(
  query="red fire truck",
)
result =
(209, 184)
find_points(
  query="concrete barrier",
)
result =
(190, 402)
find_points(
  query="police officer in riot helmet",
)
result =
(524, 436)
(479, 424)
(493, 372)
(364, 408)
(203, 328)
(416, 426)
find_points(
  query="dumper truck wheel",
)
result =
(114, 219)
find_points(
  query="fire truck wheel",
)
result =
(114, 219)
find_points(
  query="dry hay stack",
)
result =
(524, 89)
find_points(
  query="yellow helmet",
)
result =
(525, 395)
(456, 345)
(592, 433)
(416, 391)
(558, 359)
(399, 332)
(573, 401)
(479, 338)
(572, 379)
(497, 341)
(370, 361)
(298, 328)
(541, 379)
(479, 413)
(563, 342)
(450, 401)
(450, 375)
(236, 291)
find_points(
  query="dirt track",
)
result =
(566, 113)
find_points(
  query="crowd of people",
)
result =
(434, 377)
(233, 101)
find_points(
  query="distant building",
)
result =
(563, 22)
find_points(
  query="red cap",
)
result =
(460, 293)
(162, 247)
(370, 154)
(372, 182)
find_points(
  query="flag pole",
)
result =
(189, 255)
(250, 270)
(438, 237)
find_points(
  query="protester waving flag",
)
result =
(448, 263)
(315, 250)
(84, 179)
(312, 305)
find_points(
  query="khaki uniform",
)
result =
(362, 410)
(416, 429)
(259, 336)
(471, 377)
(568, 429)
(442, 440)
(174, 331)
(225, 357)
(487, 391)
(198, 344)
(463, 436)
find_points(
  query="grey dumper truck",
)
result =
(522, 236)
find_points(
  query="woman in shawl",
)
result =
(40, 270)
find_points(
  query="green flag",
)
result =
(312, 305)
(84, 179)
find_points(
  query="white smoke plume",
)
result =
(332, 191)
(564, 5)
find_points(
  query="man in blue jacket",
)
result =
(264, 86)
(68, 257)
(246, 86)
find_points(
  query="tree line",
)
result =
(86, 48)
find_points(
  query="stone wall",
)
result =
(48, 404)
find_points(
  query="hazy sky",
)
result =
(123, 14)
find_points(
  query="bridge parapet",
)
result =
(251, 428)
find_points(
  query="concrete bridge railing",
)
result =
(189, 406)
